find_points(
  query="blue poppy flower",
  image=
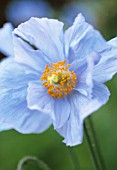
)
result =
(55, 77)
(6, 39)
(6, 48)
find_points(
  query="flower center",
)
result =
(58, 79)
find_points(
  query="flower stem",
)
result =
(74, 158)
(93, 144)
(23, 162)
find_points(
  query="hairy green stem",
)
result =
(93, 144)
(74, 158)
(23, 162)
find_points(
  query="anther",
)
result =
(58, 79)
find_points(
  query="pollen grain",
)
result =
(58, 79)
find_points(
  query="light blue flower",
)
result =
(6, 39)
(56, 78)
(6, 47)
(27, 9)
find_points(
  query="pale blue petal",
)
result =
(72, 131)
(107, 65)
(81, 107)
(12, 76)
(84, 71)
(31, 121)
(5, 126)
(62, 111)
(39, 99)
(46, 35)
(82, 39)
(33, 61)
(80, 69)
(78, 66)
(86, 106)
(6, 39)
(13, 104)
(113, 42)
(57, 109)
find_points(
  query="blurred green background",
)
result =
(48, 146)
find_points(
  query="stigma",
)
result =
(58, 80)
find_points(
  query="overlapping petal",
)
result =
(33, 61)
(38, 98)
(107, 65)
(86, 105)
(46, 35)
(72, 131)
(81, 39)
(57, 109)
(84, 71)
(81, 107)
(62, 112)
(13, 104)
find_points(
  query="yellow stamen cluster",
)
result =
(58, 79)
